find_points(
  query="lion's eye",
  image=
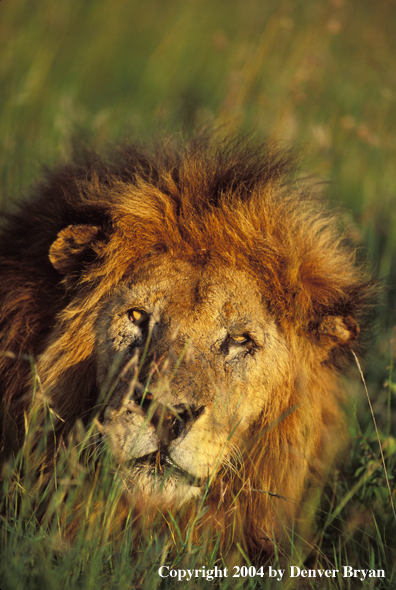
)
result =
(242, 339)
(137, 315)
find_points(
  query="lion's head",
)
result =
(201, 305)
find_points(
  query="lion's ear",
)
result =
(335, 331)
(74, 246)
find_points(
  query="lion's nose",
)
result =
(168, 421)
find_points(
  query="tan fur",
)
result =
(248, 302)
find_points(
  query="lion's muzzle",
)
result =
(169, 421)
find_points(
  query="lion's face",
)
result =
(187, 361)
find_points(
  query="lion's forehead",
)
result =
(210, 294)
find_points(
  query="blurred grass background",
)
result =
(316, 73)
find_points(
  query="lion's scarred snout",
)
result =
(169, 421)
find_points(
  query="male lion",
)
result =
(203, 305)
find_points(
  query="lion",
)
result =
(199, 305)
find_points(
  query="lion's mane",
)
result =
(232, 201)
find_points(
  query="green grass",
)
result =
(313, 73)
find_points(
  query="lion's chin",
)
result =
(156, 479)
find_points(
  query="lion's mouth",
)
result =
(163, 466)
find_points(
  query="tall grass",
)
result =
(319, 74)
(72, 527)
